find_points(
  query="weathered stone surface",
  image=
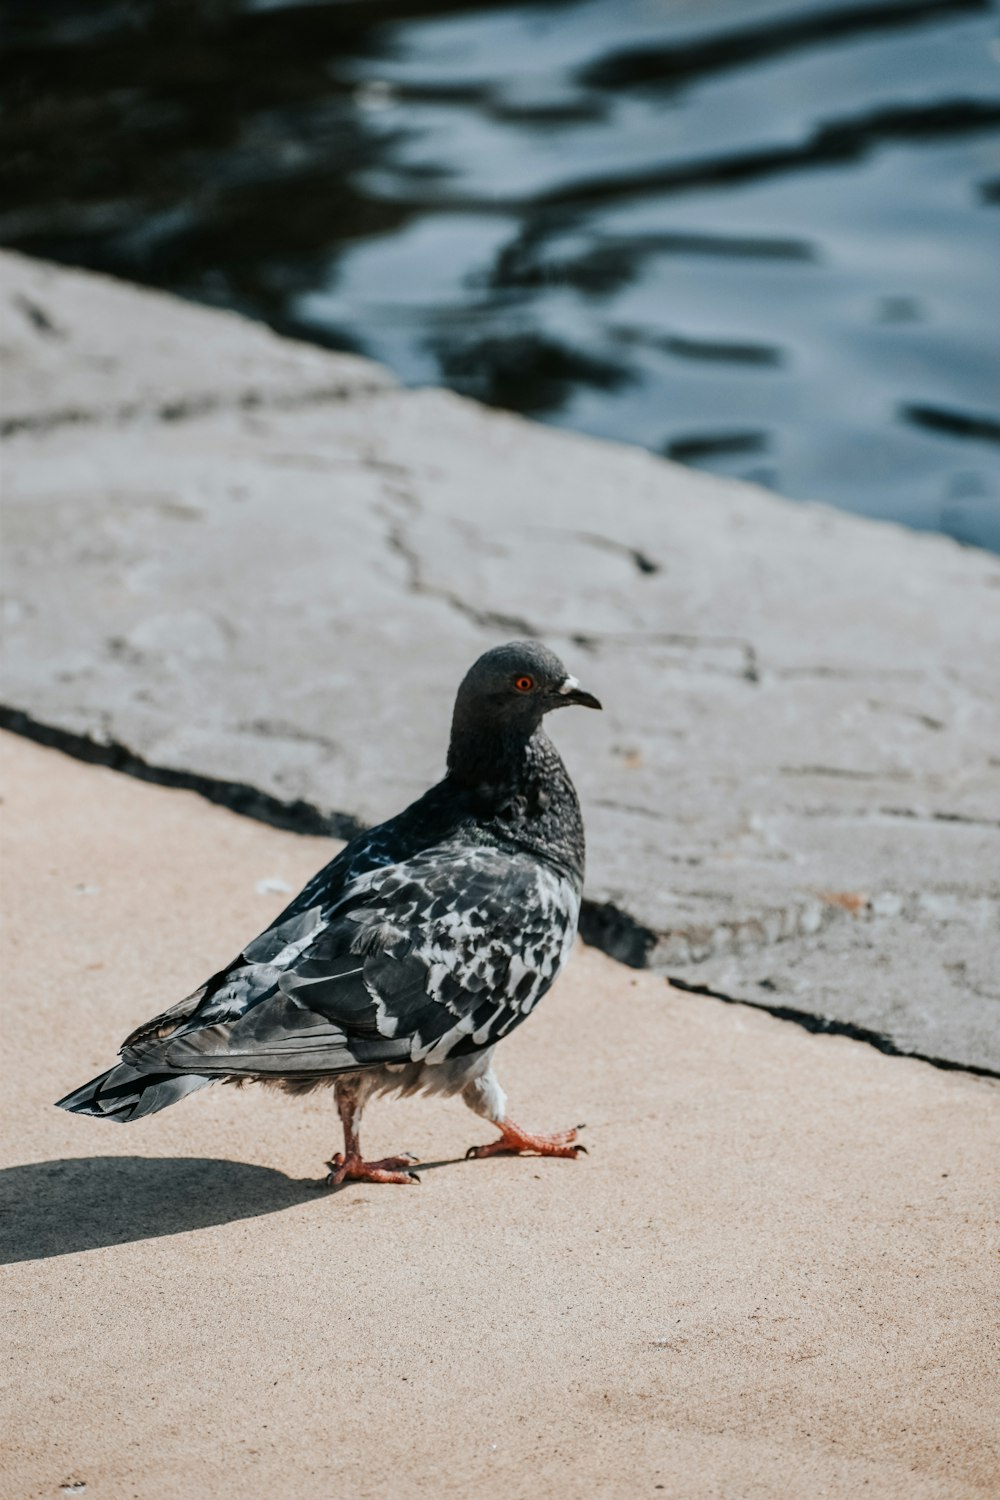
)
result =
(794, 794)
(117, 352)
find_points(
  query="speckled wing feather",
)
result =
(430, 958)
(252, 975)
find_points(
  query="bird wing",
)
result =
(253, 974)
(438, 955)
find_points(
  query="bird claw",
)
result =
(517, 1142)
(353, 1169)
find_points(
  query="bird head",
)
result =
(500, 705)
(516, 684)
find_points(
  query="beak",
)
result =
(572, 692)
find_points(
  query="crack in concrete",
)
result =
(825, 1026)
(749, 672)
(485, 619)
(830, 814)
(900, 711)
(187, 408)
(634, 809)
(284, 729)
(640, 560)
(400, 542)
(37, 316)
(488, 619)
(917, 816)
(850, 674)
(298, 816)
(847, 773)
(870, 814)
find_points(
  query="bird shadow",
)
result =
(52, 1208)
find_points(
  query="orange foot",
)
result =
(515, 1141)
(352, 1169)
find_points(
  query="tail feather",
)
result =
(125, 1093)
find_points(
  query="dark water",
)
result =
(763, 237)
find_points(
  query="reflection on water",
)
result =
(757, 235)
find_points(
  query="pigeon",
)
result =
(401, 964)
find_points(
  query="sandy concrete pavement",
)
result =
(775, 1275)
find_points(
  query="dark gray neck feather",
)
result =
(490, 754)
(523, 792)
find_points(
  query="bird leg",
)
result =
(515, 1141)
(348, 1165)
(485, 1097)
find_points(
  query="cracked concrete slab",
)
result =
(794, 794)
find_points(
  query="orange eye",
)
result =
(524, 684)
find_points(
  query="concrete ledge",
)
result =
(794, 796)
